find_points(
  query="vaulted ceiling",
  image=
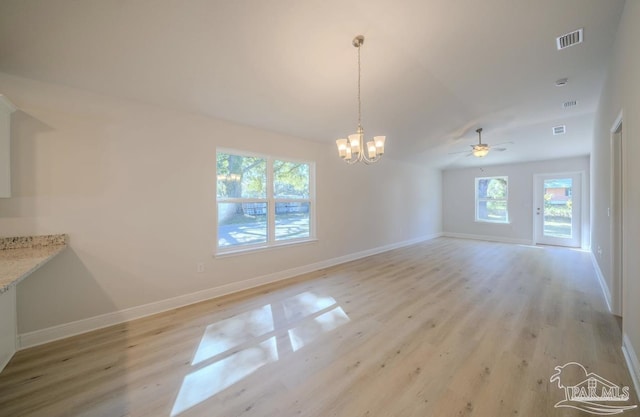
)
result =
(432, 70)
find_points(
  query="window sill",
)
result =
(490, 222)
(262, 248)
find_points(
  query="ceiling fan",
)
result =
(482, 149)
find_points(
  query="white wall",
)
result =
(133, 186)
(621, 92)
(458, 199)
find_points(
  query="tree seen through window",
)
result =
(262, 200)
(492, 199)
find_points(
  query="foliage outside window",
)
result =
(262, 201)
(558, 207)
(492, 199)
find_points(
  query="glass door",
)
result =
(557, 209)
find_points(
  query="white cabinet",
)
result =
(6, 108)
(8, 331)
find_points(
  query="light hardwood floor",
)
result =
(447, 327)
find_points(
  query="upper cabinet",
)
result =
(6, 108)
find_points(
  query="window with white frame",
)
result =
(262, 201)
(492, 194)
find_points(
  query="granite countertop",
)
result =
(20, 256)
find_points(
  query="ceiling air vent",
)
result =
(559, 130)
(570, 39)
(570, 103)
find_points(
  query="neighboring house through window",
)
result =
(262, 201)
(492, 199)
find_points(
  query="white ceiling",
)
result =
(432, 70)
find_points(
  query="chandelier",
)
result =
(352, 150)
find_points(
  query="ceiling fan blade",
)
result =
(504, 143)
(454, 153)
(499, 149)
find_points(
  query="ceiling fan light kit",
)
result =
(480, 152)
(353, 149)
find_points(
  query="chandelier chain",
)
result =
(359, 100)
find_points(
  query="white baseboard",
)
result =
(39, 337)
(488, 238)
(632, 362)
(602, 281)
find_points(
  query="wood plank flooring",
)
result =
(447, 327)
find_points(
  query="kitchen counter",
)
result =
(20, 256)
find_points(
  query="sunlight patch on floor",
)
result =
(208, 381)
(232, 349)
(227, 334)
(303, 335)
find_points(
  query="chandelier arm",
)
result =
(366, 159)
(370, 161)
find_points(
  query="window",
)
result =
(491, 199)
(262, 201)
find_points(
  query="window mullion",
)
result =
(242, 200)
